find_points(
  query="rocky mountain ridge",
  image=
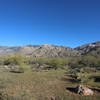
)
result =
(52, 50)
(89, 49)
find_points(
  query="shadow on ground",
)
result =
(73, 90)
(72, 80)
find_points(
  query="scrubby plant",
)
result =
(49, 63)
(18, 63)
(57, 63)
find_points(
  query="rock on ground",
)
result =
(83, 90)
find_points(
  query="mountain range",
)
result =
(52, 50)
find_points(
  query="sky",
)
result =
(59, 22)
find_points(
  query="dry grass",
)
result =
(38, 86)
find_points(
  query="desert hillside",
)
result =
(52, 50)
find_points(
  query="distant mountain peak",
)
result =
(47, 50)
(47, 45)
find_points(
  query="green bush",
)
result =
(16, 60)
(49, 63)
(91, 62)
(57, 63)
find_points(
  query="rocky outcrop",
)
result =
(83, 90)
(52, 50)
(89, 49)
(40, 51)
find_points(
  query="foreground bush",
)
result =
(16, 63)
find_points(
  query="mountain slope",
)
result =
(40, 51)
(90, 49)
(52, 50)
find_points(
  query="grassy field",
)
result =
(44, 85)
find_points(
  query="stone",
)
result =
(83, 90)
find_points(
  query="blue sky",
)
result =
(60, 22)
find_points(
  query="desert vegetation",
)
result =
(24, 78)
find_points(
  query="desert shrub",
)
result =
(57, 63)
(48, 63)
(87, 63)
(82, 74)
(75, 62)
(83, 78)
(96, 78)
(16, 60)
